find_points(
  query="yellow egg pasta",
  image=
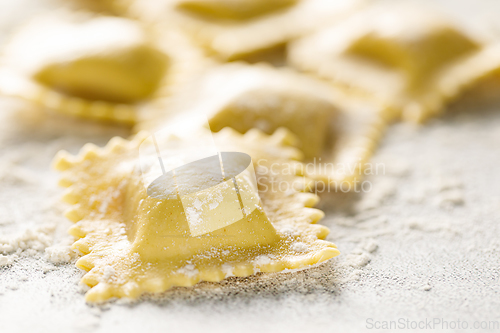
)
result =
(96, 67)
(336, 135)
(133, 243)
(107, 7)
(408, 58)
(244, 29)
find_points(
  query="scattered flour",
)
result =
(188, 270)
(228, 270)
(216, 199)
(193, 215)
(103, 208)
(262, 260)
(17, 175)
(197, 203)
(357, 260)
(445, 183)
(370, 245)
(300, 247)
(83, 288)
(451, 198)
(426, 287)
(289, 231)
(109, 274)
(31, 240)
(13, 286)
(427, 225)
(5, 260)
(383, 188)
(59, 254)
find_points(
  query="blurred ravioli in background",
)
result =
(98, 67)
(244, 29)
(408, 57)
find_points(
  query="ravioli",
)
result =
(245, 29)
(255, 96)
(133, 243)
(233, 9)
(95, 67)
(405, 57)
(337, 136)
(108, 7)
